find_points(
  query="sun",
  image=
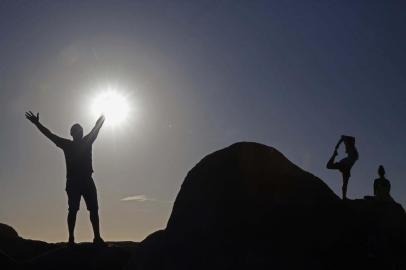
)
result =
(113, 105)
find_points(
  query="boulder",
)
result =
(248, 207)
(7, 232)
(18, 248)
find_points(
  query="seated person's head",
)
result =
(381, 171)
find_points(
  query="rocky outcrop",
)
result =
(248, 207)
(18, 248)
(7, 232)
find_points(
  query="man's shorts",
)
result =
(83, 187)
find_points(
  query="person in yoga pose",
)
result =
(345, 165)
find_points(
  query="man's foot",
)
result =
(99, 241)
(71, 241)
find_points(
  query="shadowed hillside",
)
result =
(248, 207)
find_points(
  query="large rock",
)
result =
(7, 232)
(20, 249)
(247, 206)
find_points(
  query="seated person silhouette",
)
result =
(382, 186)
(79, 181)
(344, 165)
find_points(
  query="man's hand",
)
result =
(32, 117)
(100, 121)
(95, 131)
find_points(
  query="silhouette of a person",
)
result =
(344, 165)
(79, 181)
(382, 186)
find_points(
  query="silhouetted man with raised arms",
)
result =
(79, 181)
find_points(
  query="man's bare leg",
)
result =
(71, 225)
(344, 189)
(94, 218)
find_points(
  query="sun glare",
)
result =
(113, 105)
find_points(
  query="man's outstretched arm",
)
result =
(35, 120)
(95, 131)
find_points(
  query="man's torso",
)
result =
(78, 158)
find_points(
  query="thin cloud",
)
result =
(143, 198)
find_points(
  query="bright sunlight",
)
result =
(112, 104)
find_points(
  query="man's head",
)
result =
(76, 131)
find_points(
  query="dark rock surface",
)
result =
(17, 253)
(20, 249)
(248, 207)
(82, 256)
(7, 232)
(6, 262)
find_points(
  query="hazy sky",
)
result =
(200, 75)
